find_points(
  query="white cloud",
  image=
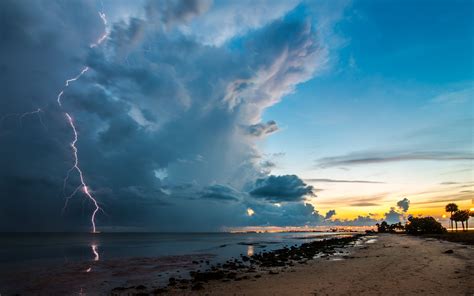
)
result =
(228, 19)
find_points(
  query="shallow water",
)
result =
(66, 247)
(69, 263)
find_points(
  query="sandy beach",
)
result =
(391, 265)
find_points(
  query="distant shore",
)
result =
(386, 264)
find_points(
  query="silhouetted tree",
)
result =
(462, 216)
(471, 214)
(455, 219)
(383, 227)
(423, 225)
(451, 208)
(396, 226)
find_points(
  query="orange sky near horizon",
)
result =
(377, 199)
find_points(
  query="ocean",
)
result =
(70, 263)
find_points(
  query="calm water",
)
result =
(65, 247)
(69, 263)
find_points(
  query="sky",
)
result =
(199, 115)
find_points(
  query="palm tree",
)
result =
(456, 218)
(464, 217)
(471, 214)
(461, 216)
(451, 208)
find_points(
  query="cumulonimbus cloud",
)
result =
(155, 98)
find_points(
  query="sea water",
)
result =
(89, 261)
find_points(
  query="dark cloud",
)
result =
(342, 181)
(383, 157)
(392, 216)
(329, 214)
(220, 192)
(154, 100)
(175, 11)
(284, 188)
(404, 204)
(287, 214)
(262, 129)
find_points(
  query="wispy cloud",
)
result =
(364, 204)
(362, 158)
(461, 184)
(455, 97)
(342, 181)
(356, 201)
(444, 198)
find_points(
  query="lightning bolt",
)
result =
(83, 71)
(37, 112)
(83, 185)
(106, 32)
(21, 116)
(95, 251)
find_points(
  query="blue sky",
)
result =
(401, 79)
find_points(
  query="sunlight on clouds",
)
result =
(250, 212)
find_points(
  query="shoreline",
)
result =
(386, 264)
(346, 264)
(102, 264)
(255, 265)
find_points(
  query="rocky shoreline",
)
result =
(249, 267)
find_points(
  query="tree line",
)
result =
(414, 225)
(458, 215)
(429, 225)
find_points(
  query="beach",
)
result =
(391, 264)
(243, 264)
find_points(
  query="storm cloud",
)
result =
(220, 192)
(156, 98)
(285, 188)
(329, 214)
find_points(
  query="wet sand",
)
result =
(389, 265)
